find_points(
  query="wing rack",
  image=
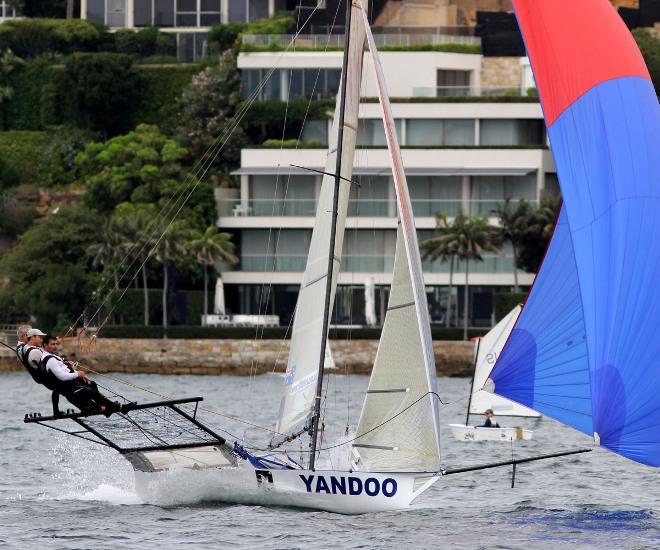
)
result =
(158, 426)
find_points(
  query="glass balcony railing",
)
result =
(365, 263)
(367, 207)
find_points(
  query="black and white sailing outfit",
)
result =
(30, 358)
(81, 394)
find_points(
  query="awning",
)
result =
(375, 171)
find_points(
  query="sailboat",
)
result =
(487, 351)
(583, 350)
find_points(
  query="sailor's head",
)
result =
(489, 413)
(21, 332)
(35, 337)
(51, 343)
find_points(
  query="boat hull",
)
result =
(333, 491)
(477, 433)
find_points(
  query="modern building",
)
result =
(188, 20)
(7, 11)
(465, 145)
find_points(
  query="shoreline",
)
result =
(234, 357)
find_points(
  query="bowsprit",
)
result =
(349, 485)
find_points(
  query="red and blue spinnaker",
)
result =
(586, 348)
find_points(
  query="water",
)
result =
(63, 493)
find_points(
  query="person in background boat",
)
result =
(76, 386)
(490, 420)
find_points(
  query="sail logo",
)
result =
(340, 485)
(289, 375)
(491, 357)
(304, 383)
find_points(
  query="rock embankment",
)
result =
(237, 357)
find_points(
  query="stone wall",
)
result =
(500, 72)
(238, 357)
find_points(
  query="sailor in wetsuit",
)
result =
(75, 385)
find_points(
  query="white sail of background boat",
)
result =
(487, 350)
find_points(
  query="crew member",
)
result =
(75, 385)
(490, 420)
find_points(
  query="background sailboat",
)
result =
(585, 349)
(487, 351)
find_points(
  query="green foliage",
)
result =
(8, 175)
(47, 271)
(143, 167)
(15, 217)
(538, 232)
(265, 119)
(102, 86)
(248, 47)
(23, 154)
(504, 302)
(145, 42)
(281, 23)
(58, 156)
(223, 37)
(649, 45)
(31, 38)
(206, 116)
(514, 218)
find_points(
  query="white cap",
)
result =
(35, 332)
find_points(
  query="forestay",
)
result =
(488, 352)
(306, 336)
(403, 377)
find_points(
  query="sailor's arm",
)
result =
(61, 371)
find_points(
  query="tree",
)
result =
(209, 248)
(48, 270)
(514, 218)
(9, 62)
(104, 86)
(144, 167)
(442, 247)
(173, 244)
(536, 236)
(649, 45)
(206, 116)
(473, 236)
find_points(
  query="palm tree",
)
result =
(442, 247)
(473, 236)
(209, 248)
(514, 219)
(108, 251)
(173, 244)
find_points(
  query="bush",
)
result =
(8, 175)
(15, 217)
(31, 38)
(280, 23)
(223, 37)
(103, 87)
(22, 153)
(504, 302)
(649, 45)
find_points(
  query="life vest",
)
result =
(51, 381)
(38, 374)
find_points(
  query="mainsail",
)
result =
(306, 336)
(488, 352)
(398, 428)
(585, 349)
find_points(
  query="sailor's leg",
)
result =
(55, 399)
(90, 401)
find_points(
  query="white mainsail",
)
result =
(306, 336)
(488, 352)
(399, 428)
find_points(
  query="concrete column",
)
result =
(130, 14)
(465, 195)
(245, 192)
(271, 8)
(83, 9)
(224, 11)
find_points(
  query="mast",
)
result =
(474, 371)
(314, 428)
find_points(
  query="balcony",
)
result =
(370, 263)
(472, 91)
(381, 208)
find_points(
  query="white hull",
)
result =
(332, 491)
(476, 433)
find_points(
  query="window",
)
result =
(371, 132)
(116, 13)
(368, 251)
(510, 132)
(164, 13)
(96, 10)
(433, 194)
(291, 83)
(315, 131)
(276, 250)
(284, 195)
(430, 132)
(372, 197)
(486, 192)
(191, 46)
(453, 83)
(142, 15)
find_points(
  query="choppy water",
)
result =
(61, 493)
